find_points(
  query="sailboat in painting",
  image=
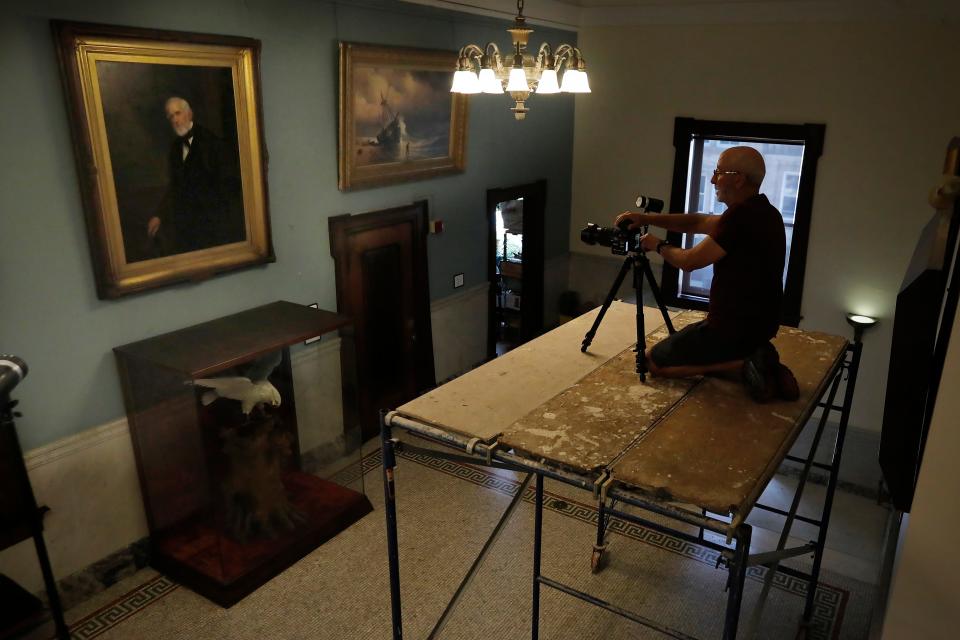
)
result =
(392, 143)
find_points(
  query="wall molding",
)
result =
(74, 444)
(460, 296)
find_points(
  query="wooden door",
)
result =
(381, 271)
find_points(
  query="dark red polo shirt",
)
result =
(747, 286)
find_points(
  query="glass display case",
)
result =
(220, 414)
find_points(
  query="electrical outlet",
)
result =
(458, 281)
(315, 305)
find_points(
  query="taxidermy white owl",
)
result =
(251, 390)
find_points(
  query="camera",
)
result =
(12, 371)
(620, 240)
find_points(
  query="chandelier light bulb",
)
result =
(548, 82)
(489, 82)
(518, 81)
(469, 83)
(457, 86)
(575, 81)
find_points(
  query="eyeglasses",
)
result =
(717, 173)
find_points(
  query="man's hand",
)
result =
(649, 242)
(153, 226)
(636, 219)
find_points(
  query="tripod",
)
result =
(638, 260)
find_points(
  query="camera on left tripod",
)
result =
(620, 241)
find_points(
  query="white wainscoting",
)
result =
(459, 324)
(89, 481)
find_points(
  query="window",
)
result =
(790, 153)
(789, 186)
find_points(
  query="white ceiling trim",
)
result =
(549, 13)
(572, 15)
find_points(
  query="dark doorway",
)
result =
(381, 271)
(515, 249)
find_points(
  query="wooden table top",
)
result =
(485, 401)
(700, 441)
(718, 448)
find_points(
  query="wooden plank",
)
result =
(718, 448)
(485, 401)
(591, 423)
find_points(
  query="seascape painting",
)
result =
(398, 119)
(401, 115)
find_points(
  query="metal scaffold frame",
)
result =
(609, 494)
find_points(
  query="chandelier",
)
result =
(482, 70)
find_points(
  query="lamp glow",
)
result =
(860, 323)
(469, 83)
(548, 82)
(518, 81)
(575, 81)
(489, 82)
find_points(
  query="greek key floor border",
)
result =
(830, 601)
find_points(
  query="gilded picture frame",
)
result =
(398, 120)
(168, 137)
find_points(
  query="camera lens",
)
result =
(588, 234)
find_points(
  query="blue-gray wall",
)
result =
(50, 315)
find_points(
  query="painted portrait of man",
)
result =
(172, 138)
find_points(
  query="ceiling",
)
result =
(574, 14)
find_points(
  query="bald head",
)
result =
(179, 115)
(748, 162)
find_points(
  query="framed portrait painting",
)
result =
(168, 138)
(398, 119)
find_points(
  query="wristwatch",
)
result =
(661, 245)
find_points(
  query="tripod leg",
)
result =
(587, 339)
(656, 295)
(641, 347)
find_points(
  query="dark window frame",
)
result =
(811, 135)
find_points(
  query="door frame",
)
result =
(534, 196)
(340, 229)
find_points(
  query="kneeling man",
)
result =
(746, 246)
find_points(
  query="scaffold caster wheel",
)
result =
(596, 561)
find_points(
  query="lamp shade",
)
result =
(857, 320)
(489, 82)
(518, 81)
(548, 82)
(465, 82)
(575, 81)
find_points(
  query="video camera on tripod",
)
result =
(620, 239)
(623, 242)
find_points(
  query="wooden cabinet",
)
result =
(213, 419)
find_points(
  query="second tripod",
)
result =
(637, 262)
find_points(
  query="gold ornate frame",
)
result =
(80, 47)
(354, 56)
